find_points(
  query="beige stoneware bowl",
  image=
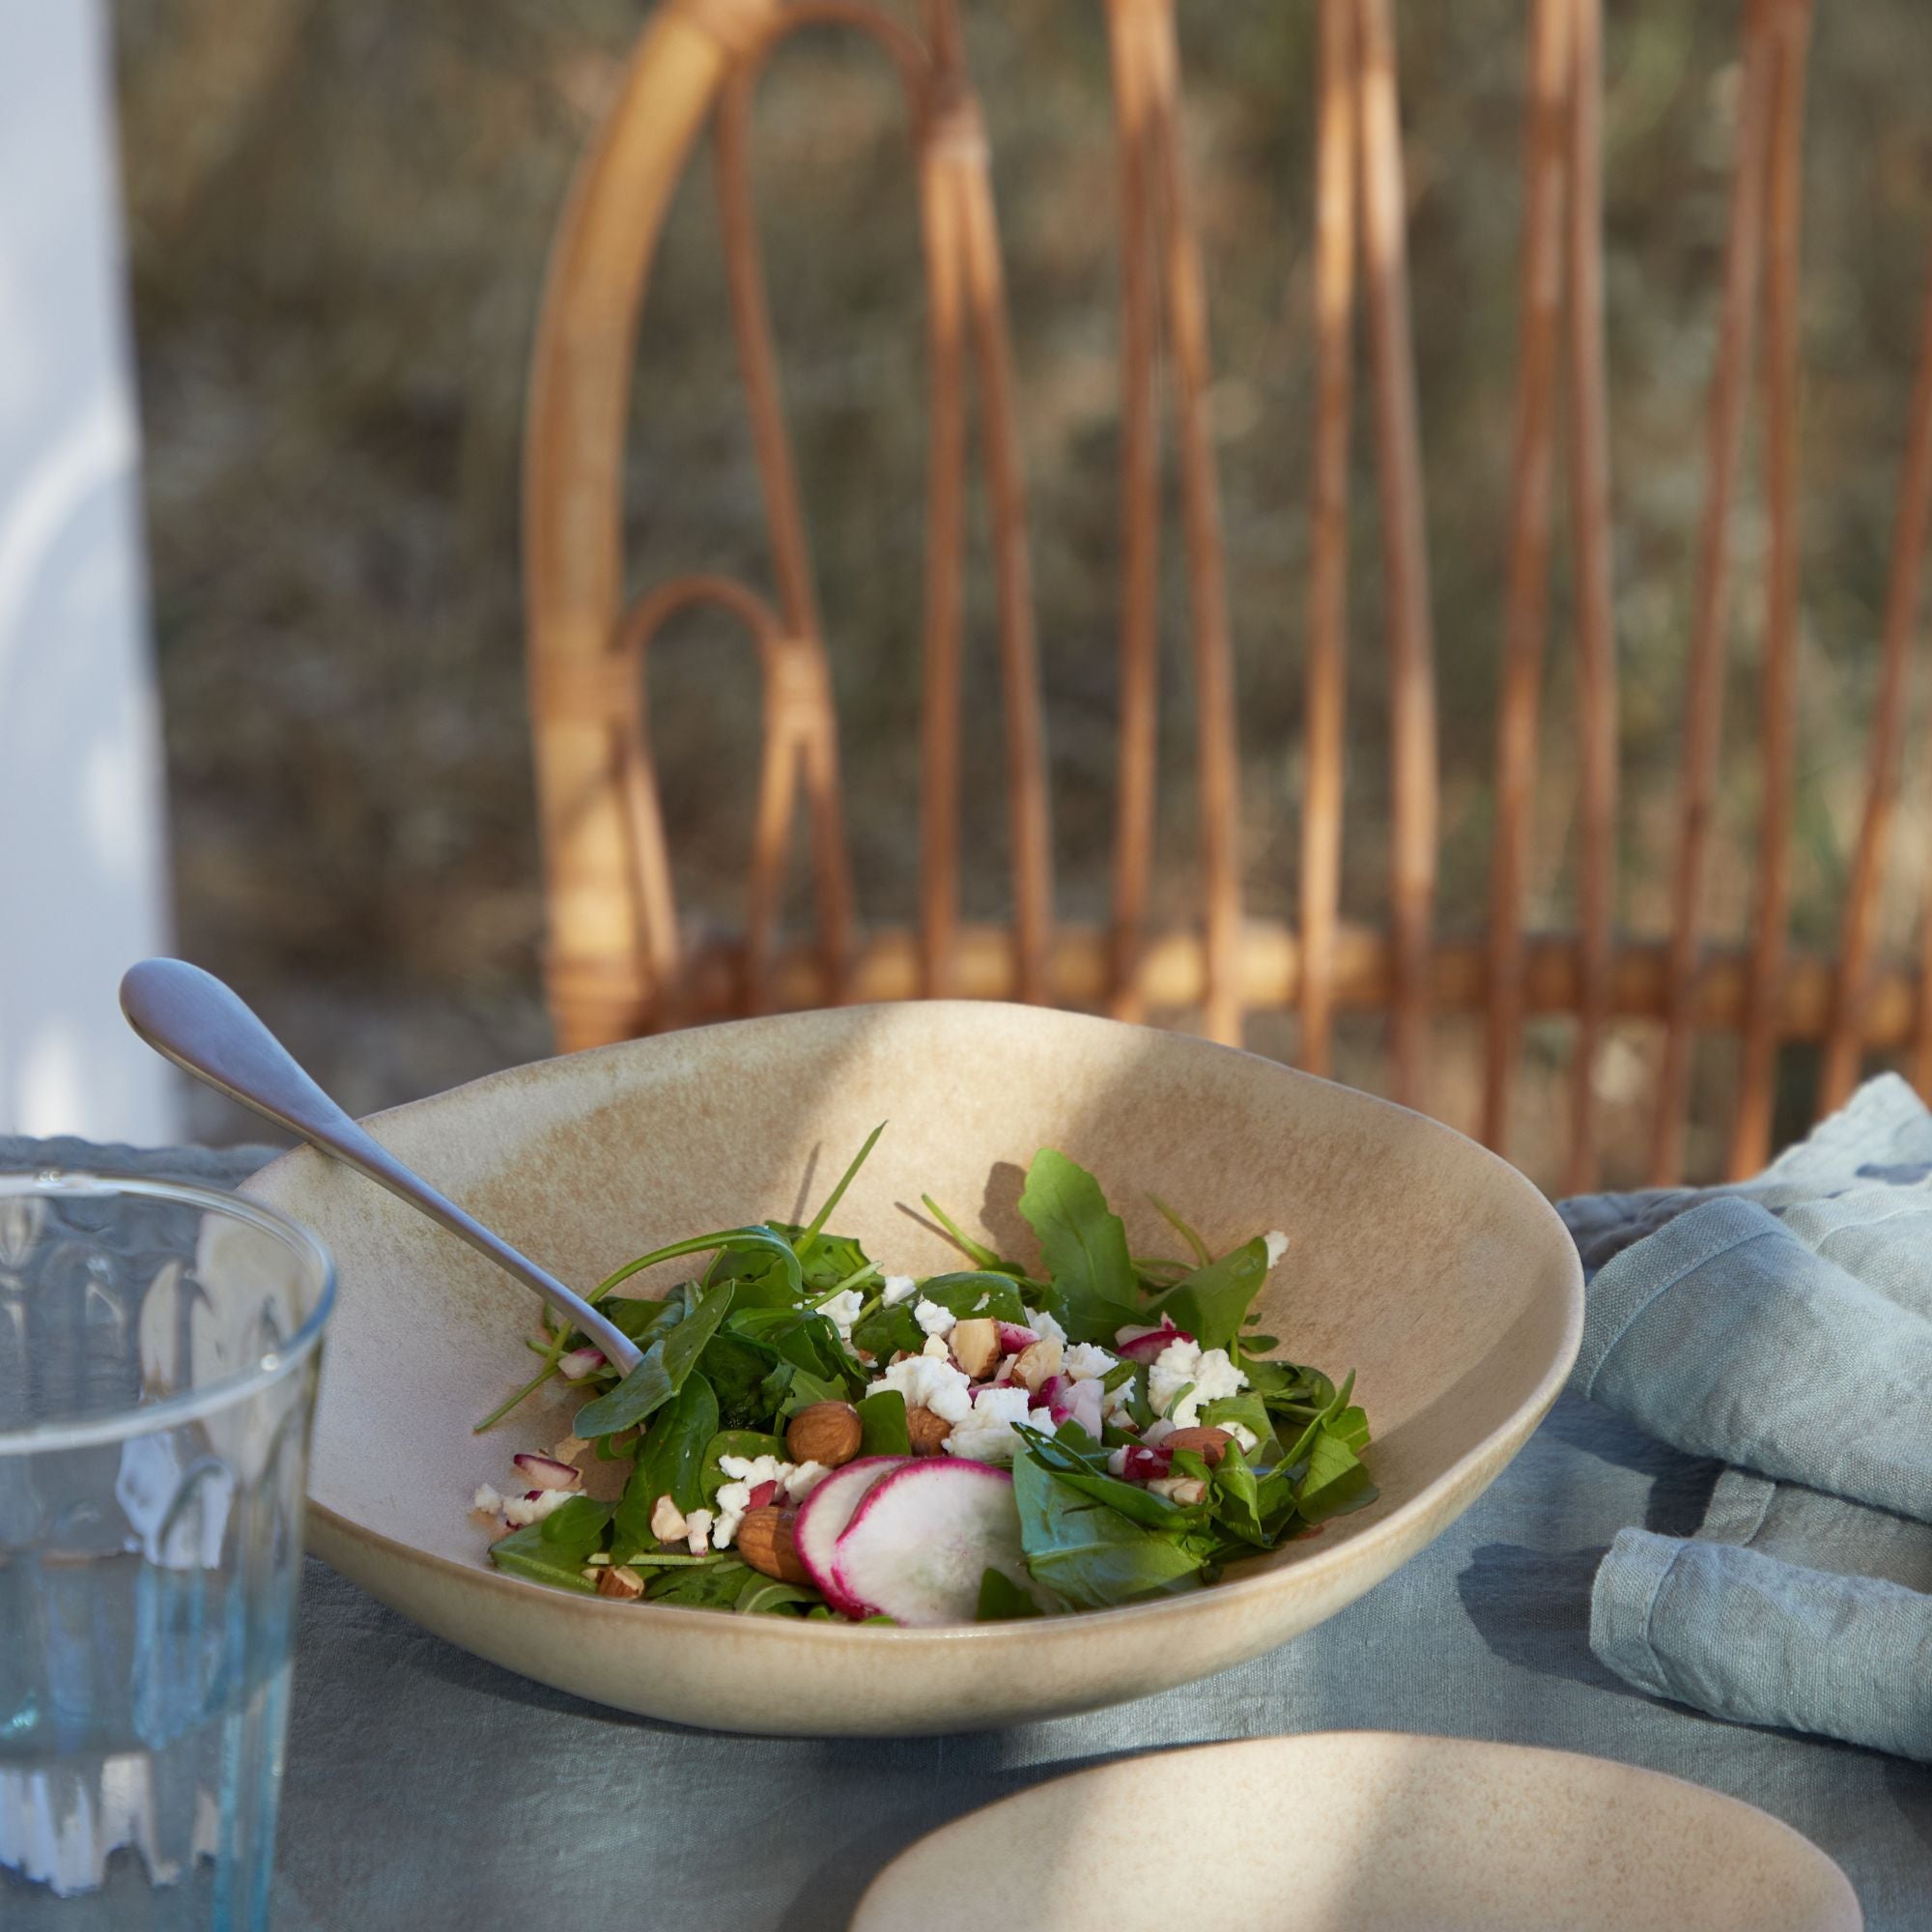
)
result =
(1423, 1263)
(1397, 1834)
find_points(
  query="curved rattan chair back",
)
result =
(616, 963)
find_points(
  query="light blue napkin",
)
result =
(1786, 1328)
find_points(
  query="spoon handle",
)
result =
(193, 1019)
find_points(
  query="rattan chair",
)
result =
(615, 964)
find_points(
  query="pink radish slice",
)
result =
(1144, 1345)
(1084, 1404)
(919, 1543)
(579, 1363)
(1013, 1338)
(760, 1498)
(548, 1473)
(1147, 1465)
(826, 1512)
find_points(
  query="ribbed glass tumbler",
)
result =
(160, 1346)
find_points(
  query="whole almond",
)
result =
(1036, 1363)
(767, 1541)
(974, 1345)
(824, 1431)
(1209, 1444)
(622, 1581)
(928, 1432)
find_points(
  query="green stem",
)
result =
(803, 1244)
(503, 1408)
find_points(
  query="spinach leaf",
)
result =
(792, 1388)
(882, 1418)
(661, 1374)
(795, 1335)
(977, 1292)
(671, 1463)
(754, 1239)
(1235, 1497)
(639, 1319)
(736, 1368)
(829, 1261)
(1213, 1301)
(889, 1331)
(1002, 1601)
(1091, 1555)
(1335, 1483)
(767, 1596)
(749, 1443)
(553, 1551)
(1090, 1478)
(1094, 1289)
(1252, 1414)
(707, 1586)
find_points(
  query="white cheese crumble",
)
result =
(487, 1499)
(699, 1523)
(1045, 1326)
(804, 1479)
(933, 1319)
(523, 1511)
(930, 1383)
(1245, 1437)
(1277, 1245)
(1181, 1363)
(1087, 1360)
(898, 1288)
(734, 1498)
(986, 1434)
(842, 1310)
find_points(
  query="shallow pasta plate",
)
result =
(1402, 1833)
(1425, 1263)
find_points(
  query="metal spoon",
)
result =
(192, 1019)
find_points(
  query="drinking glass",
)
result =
(160, 1346)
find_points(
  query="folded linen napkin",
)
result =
(1786, 1328)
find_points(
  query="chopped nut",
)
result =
(974, 1345)
(767, 1541)
(569, 1449)
(928, 1432)
(620, 1580)
(597, 1558)
(1180, 1489)
(1036, 1363)
(824, 1431)
(667, 1521)
(1209, 1444)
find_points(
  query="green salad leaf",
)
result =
(1213, 1301)
(671, 1462)
(556, 1550)
(1002, 1601)
(1091, 1554)
(661, 1374)
(882, 1417)
(1094, 1291)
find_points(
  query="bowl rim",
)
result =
(1348, 1552)
(1331, 1737)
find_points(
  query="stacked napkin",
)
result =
(1786, 1328)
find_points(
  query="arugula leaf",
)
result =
(553, 1551)
(756, 1238)
(661, 1374)
(1002, 1601)
(671, 1464)
(749, 1443)
(1211, 1302)
(977, 1252)
(1131, 1500)
(882, 1417)
(1091, 1555)
(1094, 1291)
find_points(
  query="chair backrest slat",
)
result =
(1778, 678)
(1411, 639)
(1526, 596)
(1589, 450)
(1703, 708)
(1326, 675)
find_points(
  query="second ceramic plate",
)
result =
(1344, 1829)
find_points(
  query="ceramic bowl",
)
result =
(1364, 1829)
(1426, 1265)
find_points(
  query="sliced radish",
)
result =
(1141, 1464)
(919, 1543)
(760, 1496)
(825, 1513)
(1013, 1338)
(1083, 1405)
(579, 1363)
(548, 1473)
(1143, 1344)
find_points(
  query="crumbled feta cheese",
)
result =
(487, 1499)
(842, 1310)
(1277, 1245)
(698, 1522)
(734, 1498)
(804, 1479)
(1117, 1405)
(936, 1349)
(1247, 1439)
(1045, 1326)
(1180, 1489)
(667, 1521)
(985, 1435)
(931, 1382)
(933, 1319)
(1117, 1462)
(1086, 1360)
(898, 1288)
(1181, 1363)
(521, 1511)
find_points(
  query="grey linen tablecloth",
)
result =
(427, 1789)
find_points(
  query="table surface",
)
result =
(429, 1789)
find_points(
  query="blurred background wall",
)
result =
(338, 216)
(82, 846)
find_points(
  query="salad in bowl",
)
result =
(812, 1436)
